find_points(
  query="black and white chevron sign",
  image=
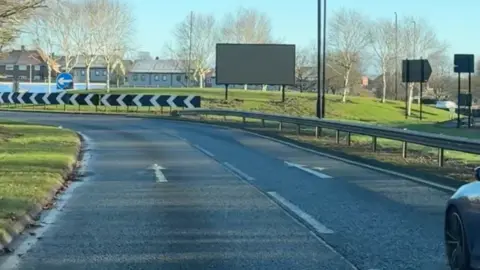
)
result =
(63, 98)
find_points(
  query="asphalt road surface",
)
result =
(174, 195)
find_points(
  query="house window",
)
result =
(164, 77)
(22, 67)
(179, 78)
(9, 67)
(104, 73)
(97, 73)
(143, 77)
(37, 67)
(156, 78)
(36, 78)
(83, 72)
(135, 77)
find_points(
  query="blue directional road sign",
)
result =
(64, 81)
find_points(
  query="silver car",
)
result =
(462, 226)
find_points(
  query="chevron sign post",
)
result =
(110, 100)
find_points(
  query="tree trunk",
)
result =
(384, 90)
(108, 77)
(345, 85)
(87, 78)
(410, 99)
(201, 80)
(49, 80)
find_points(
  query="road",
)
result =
(174, 195)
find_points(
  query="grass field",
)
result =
(33, 160)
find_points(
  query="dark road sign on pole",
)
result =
(417, 70)
(464, 63)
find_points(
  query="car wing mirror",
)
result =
(477, 173)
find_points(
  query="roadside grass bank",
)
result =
(34, 161)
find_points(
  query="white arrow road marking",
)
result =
(170, 101)
(73, 99)
(153, 100)
(32, 98)
(315, 224)
(59, 98)
(10, 98)
(238, 172)
(120, 100)
(158, 173)
(88, 100)
(136, 100)
(308, 170)
(45, 99)
(20, 98)
(188, 102)
(203, 150)
(104, 100)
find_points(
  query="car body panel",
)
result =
(467, 200)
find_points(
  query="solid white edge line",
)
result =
(319, 227)
(159, 174)
(203, 150)
(238, 172)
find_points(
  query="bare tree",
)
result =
(305, 67)
(90, 14)
(418, 40)
(382, 40)
(13, 14)
(193, 47)
(441, 81)
(246, 26)
(348, 35)
(114, 37)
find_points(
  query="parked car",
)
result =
(462, 226)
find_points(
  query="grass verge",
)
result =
(34, 160)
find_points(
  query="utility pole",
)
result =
(396, 56)
(189, 49)
(319, 59)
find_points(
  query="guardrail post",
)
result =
(298, 129)
(318, 132)
(244, 120)
(404, 149)
(337, 136)
(441, 157)
(349, 138)
(280, 126)
(263, 122)
(374, 144)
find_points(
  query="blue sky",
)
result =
(295, 21)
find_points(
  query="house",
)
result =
(98, 69)
(23, 65)
(157, 73)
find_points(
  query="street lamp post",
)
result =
(319, 58)
(324, 55)
(396, 56)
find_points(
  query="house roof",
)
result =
(156, 66)
(98, 63)
(21, 57)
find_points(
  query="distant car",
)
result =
(462, 226)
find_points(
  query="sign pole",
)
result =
(469, 98)
(458, 101)
(406, 87)
(421, 88)
(319, 59)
